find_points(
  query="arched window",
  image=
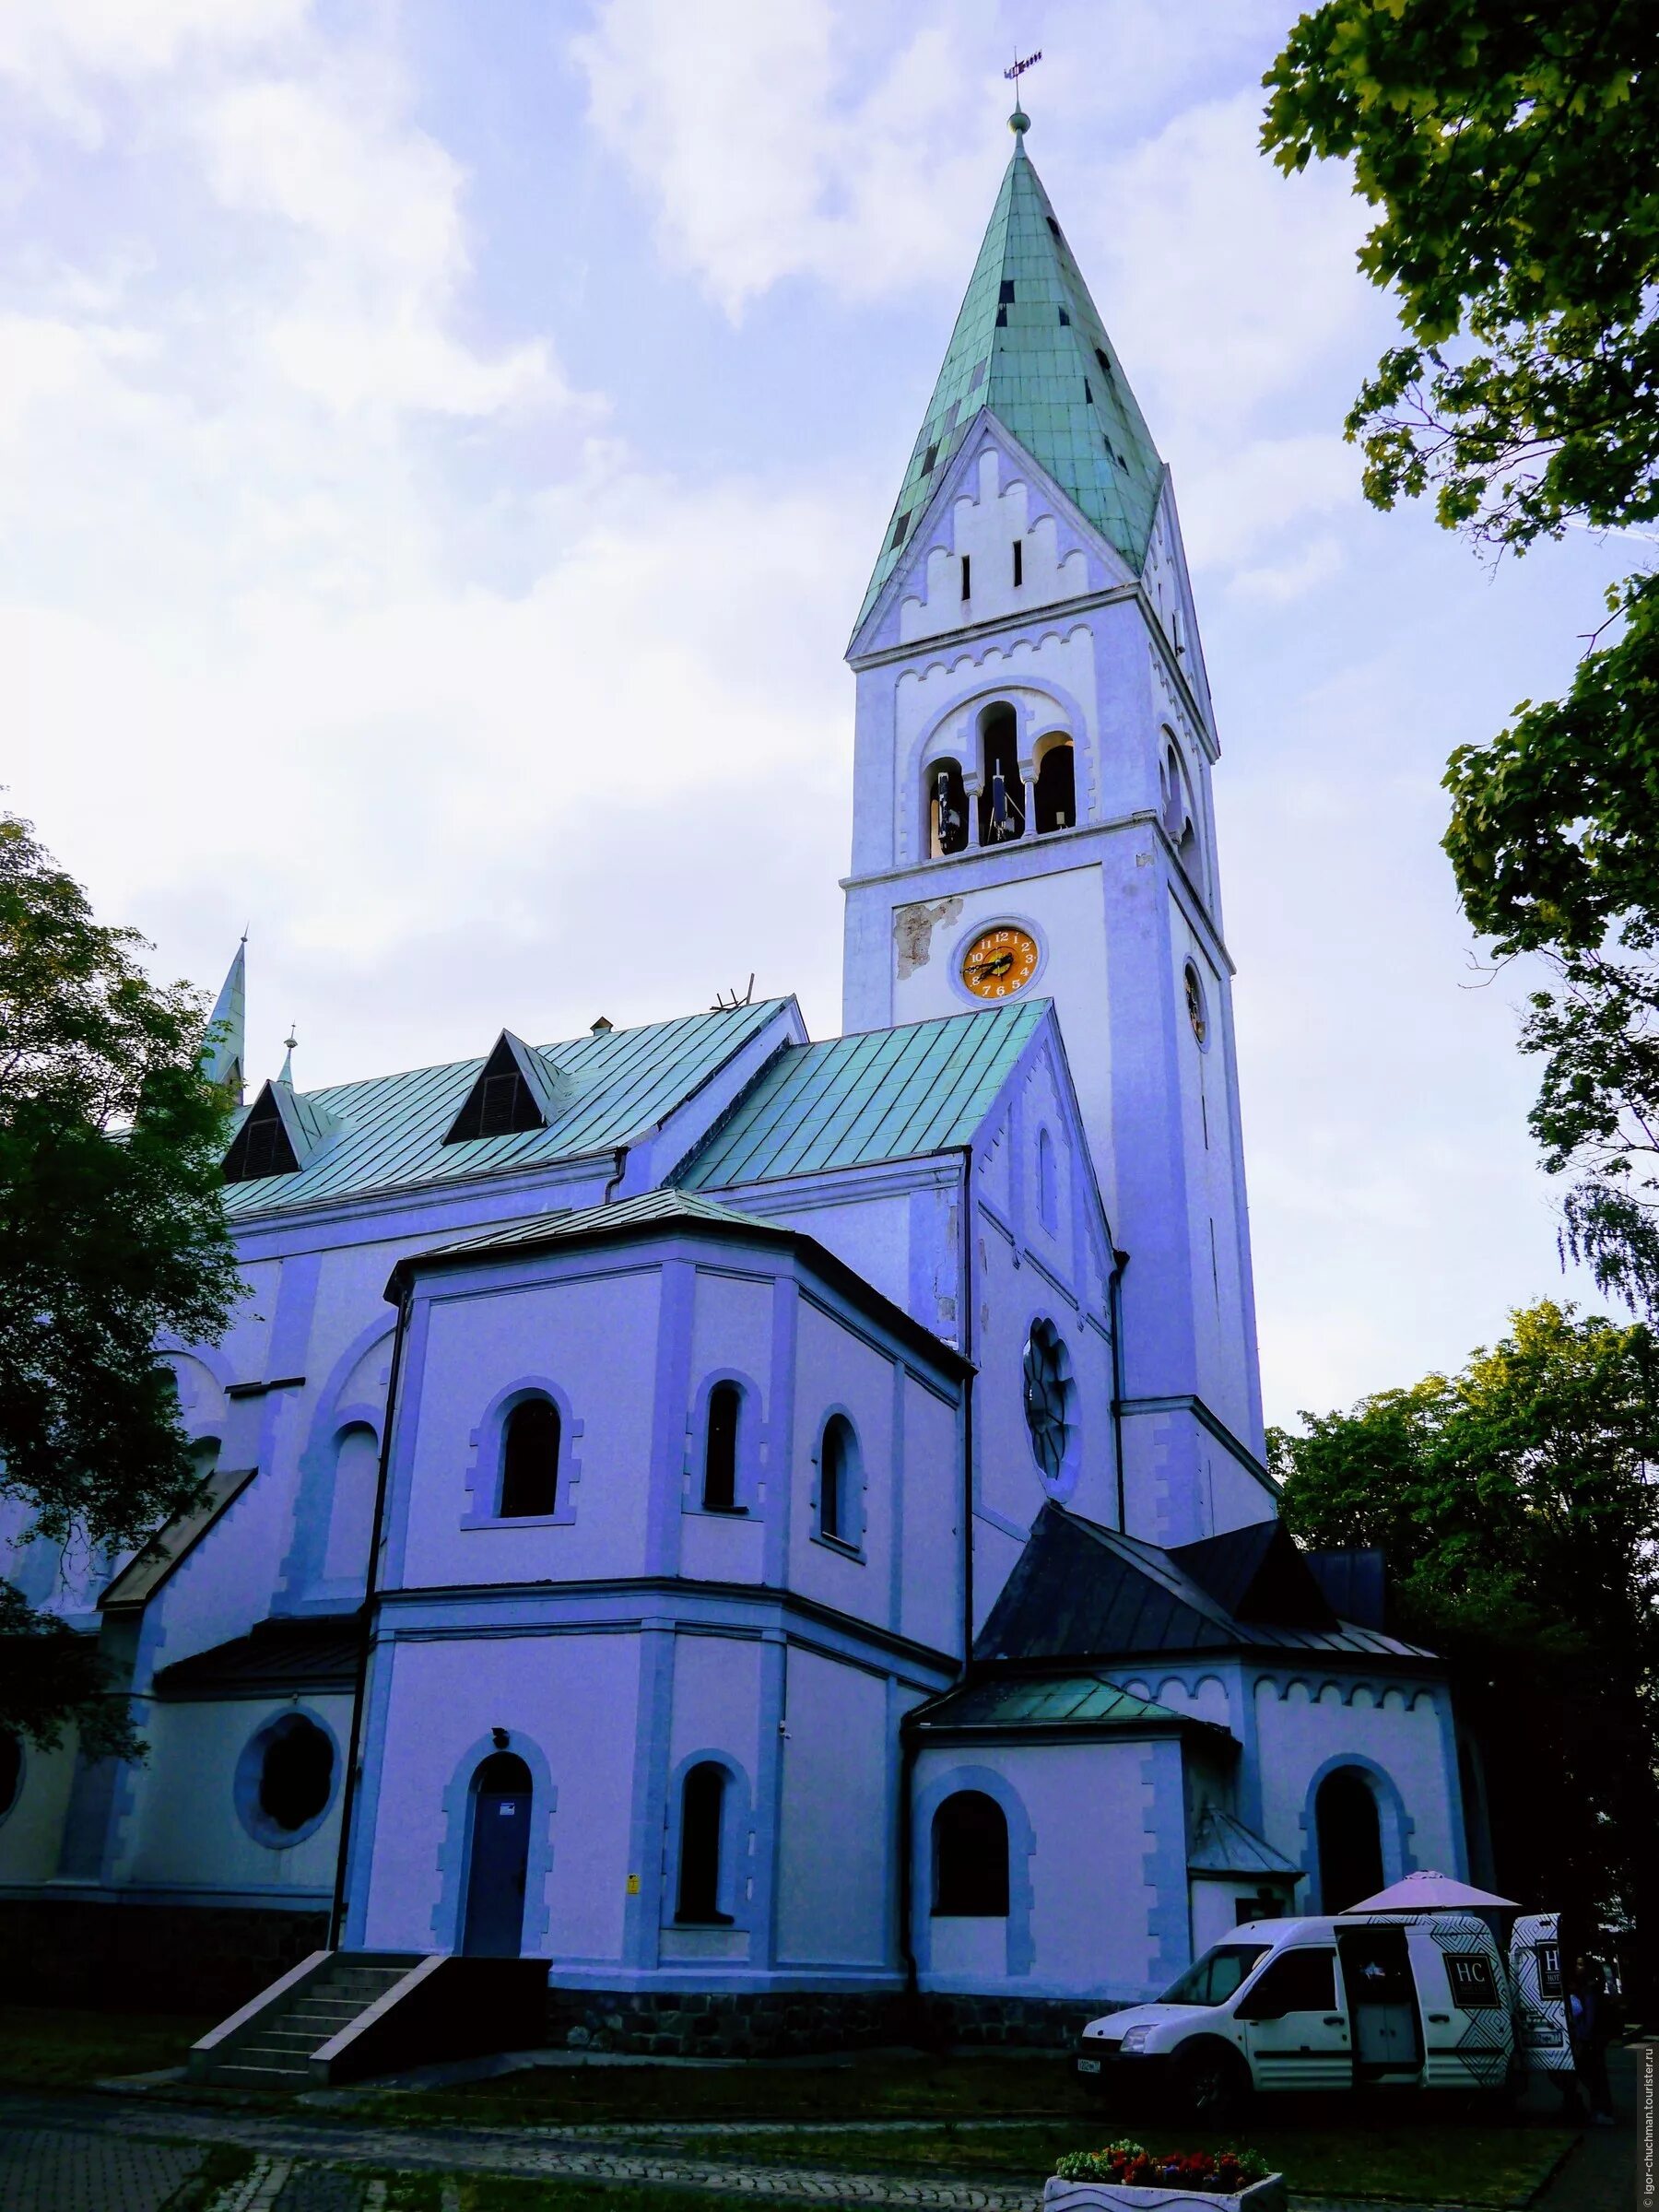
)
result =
(1351, 1840)
(1002, 794)
(702, 1812)
(945, 806)
(351, 1506)
(971, 1858)
(1179, 815)
(720, 1449)
(1054, 802)
(1048, 1184)
(530, 1459)
(838, 1460)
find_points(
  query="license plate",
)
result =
(1089, 2066)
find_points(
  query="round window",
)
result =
(11, 1769)
(1195, 1005)
(285, 1780)
(1048, 1399)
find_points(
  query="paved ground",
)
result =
(108, 2154)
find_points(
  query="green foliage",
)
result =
(1508, 151)
(1518, 1507)
(111, 1234)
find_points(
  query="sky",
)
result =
(442, 447)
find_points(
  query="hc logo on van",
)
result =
(1473, 1985)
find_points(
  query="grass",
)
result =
(58, 2047)
(1426, 2160)
(870, 2085)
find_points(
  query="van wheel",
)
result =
(1211, 2083)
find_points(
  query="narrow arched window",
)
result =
(530, 1459)
(702, 1815)
(1048, 1184)
(1351, 1840)
(837, 1455)
(720, 1449)
(1002, 794)
(1055, 798)
(946, 807)
(971, 1858)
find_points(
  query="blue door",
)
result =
(499, 1858)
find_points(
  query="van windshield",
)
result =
(1213, 1979)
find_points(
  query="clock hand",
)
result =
(999, 966)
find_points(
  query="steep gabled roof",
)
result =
(1030, 345)
(1079, 1590)
(877, 1095)
(608, 1088)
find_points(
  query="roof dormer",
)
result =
(511, 1094)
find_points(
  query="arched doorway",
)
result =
(498, 1859)
(1351, 1840)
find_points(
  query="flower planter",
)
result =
(1121, 2196)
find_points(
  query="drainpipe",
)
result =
(336, 1916)
(1114, 1294)
(907, 1949)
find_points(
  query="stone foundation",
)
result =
(794, 2023)
(147, 1957)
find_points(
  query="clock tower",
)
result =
(1033, 817)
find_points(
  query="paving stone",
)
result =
(320, 2189)
(46, 2170)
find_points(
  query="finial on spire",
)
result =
(290, 1041)
(1020, 123)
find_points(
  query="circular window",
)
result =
(285, 1780)
(1048, 1399)
(1195, 1005)
(11, 1769)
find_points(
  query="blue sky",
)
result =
(441, 450)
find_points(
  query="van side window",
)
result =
(1294, 1982)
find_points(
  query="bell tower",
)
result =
(1031, 814)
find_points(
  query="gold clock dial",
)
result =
(999, 962)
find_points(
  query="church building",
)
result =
(772, 1528)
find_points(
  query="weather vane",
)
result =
(1019, 68)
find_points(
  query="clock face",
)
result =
(999, 962)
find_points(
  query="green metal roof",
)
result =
(854, 1101)
(1225, 1846)
(1030, 345)
(1058, 1701)
(571, 1224)
(609, 1087)
(667, 1210)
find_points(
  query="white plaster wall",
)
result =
(1298, 1733)
(836, 1370)
(996, 505)
(716, 1700)
(596, 1337)
(930, 1602)
(1090, 1807)
(836, 1831)
(32, 1833)
(871, 1235)
(184, 1828)
(575, 1696)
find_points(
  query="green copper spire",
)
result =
(1029, 345)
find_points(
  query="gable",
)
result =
(993, 495)
(513, 1094)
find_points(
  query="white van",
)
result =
(1384, 2000)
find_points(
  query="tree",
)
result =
(1507, 149)
(1519, 1509)
(111, 1232)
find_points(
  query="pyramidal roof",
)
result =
(1030, 345)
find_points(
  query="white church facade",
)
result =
(776, 1528)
